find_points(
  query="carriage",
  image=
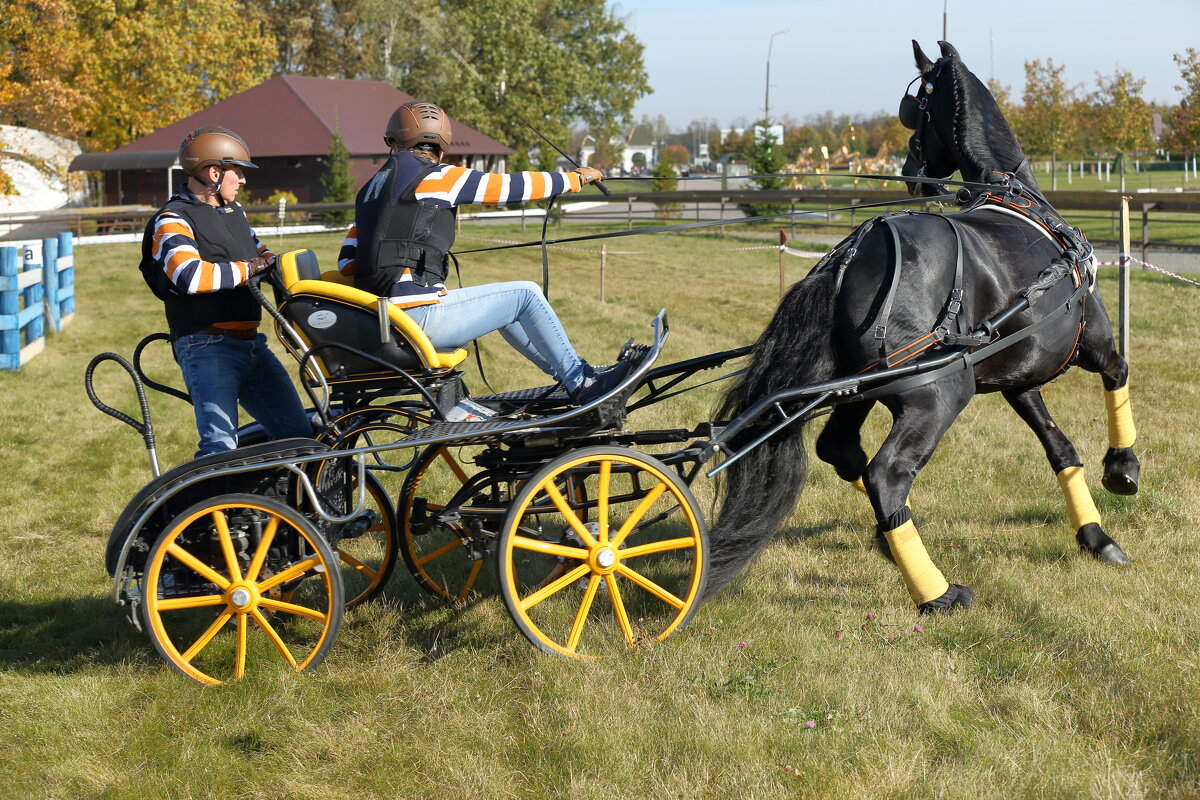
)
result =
(595, 544)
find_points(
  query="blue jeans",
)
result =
(519, 311)
(220, 372)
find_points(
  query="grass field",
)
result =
(1069, 679)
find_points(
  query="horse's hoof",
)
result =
(1096, 543)
(956, 596)
(1121, 470)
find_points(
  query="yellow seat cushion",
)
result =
(401, 322)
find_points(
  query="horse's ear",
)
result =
(924, 65)
(948, 50)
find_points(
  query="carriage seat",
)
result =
(325, 307)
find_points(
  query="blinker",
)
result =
(910, 112)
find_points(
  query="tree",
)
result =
(665, 180)
(1045, 122)
(1123, 117)
(550, 62)
(1184, 134)
(109, 72)
(676, 155)
(764, 159)
(336, 184)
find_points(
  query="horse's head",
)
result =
(956, 125)
(929, 114)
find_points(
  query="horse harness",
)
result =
(951, 328)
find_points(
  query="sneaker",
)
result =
(600, 382)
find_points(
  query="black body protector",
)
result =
(221, 235)
(398, 232)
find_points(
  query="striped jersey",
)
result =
(449, 186)
(174, 247)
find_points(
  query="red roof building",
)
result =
(287, 123)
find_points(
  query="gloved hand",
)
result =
(588, 175)
(259, 265)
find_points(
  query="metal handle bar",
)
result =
(141, 373)
(145, 428)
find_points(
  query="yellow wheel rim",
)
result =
(602, 550)
(238, 580)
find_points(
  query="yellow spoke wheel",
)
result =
(604, 548)
(438, 554)
(241, 580)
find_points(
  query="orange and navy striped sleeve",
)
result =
(348, 255)
(457, 186)
(174, 247)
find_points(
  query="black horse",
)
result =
(910, 286)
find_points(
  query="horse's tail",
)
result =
(761, 487)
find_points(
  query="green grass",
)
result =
(1069, 679)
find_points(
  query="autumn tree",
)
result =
(1122, 115)
(1045, 123)
(108, 72)
(675, 154)
(1184, 134)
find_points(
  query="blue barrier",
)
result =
(37, 283)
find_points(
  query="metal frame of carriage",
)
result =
(274, 523)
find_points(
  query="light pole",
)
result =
(767, 94)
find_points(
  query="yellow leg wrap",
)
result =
(1121, 432)
(925, 582)
(1079, 500)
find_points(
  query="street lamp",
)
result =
(767, 96)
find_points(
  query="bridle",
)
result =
(915, 115)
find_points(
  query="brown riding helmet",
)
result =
(213, 145)
(418, 123)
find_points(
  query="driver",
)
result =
(198, 252)
(404, 228)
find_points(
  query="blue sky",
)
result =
(707, 59)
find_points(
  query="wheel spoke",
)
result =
(650, 586)
(292, 608)
(585, 606)
(221, 523)
(356, 564)
(568, 513)
(614, 594)
(659, 547)
(178, 553)
(636, 515)
(273, 636)
(239, 666)
(470, 581)
(264, 544)
(455, 467)
(602, 499)
(176, 603)
(294, 571)
(566, 580)
(549, 548)
(449, 547)
(207, 636)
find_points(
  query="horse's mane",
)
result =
(982, 135)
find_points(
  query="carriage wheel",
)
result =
(241, 578)
(445, 558)
(635, 573)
